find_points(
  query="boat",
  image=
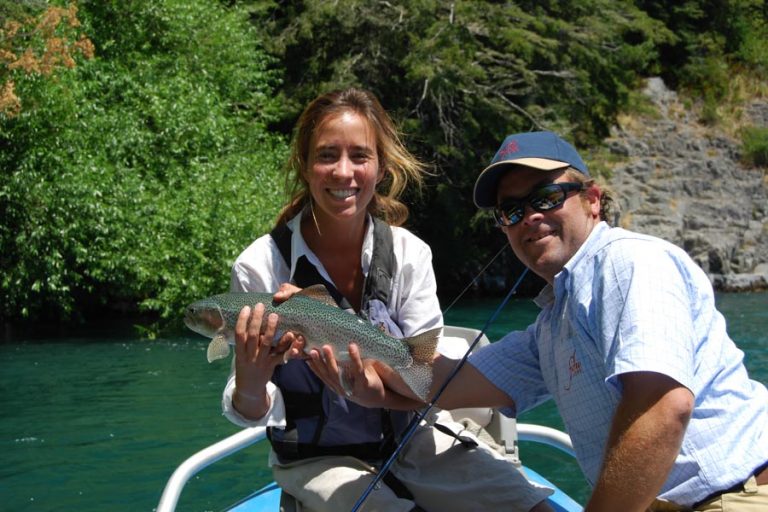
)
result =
(507, 432)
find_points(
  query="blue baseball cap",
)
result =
(545, 151)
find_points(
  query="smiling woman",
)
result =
(343, 229)
(343, 167)
(396, 167)
(342, 176)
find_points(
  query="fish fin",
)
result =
(319, 293)
(218, 348)
(419, 379)
(423, 346)
(344, 381)
(418, 375)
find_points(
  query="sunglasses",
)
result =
(512, 211)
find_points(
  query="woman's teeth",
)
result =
(343, 193)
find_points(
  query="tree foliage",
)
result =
(460, 75)
(710, 37)
(137, 176)
(37, 46)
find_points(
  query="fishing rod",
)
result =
(411, 429)
(473, 281)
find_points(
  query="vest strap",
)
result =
(466, 441)
(379, 280)
(305, 274)
(309, 405)
(289, 451)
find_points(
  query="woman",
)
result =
(341, 229)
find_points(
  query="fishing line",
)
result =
(411, 429)
(506, 244)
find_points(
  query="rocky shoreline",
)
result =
(683, 181)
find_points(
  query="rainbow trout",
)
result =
(313, 313)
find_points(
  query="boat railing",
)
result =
(204, 458)
(236, 442)
(505, 430)
(545, 435)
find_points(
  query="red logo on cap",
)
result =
(510, 148)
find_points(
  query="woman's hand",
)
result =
(256, 359)
(365, 380)
(355, 379)
(285, 292)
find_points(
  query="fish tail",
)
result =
(418, 375)
(419, 379)
(423, 346)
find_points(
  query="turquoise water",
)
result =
(93, 423)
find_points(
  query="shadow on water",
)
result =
(104, 325)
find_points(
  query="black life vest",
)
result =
(319, 421)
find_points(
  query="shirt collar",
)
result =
(300, 248)
(590, 245)
(587, 249)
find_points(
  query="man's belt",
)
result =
(761, 477)
(761, 474)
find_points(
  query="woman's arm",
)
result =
(248, 395)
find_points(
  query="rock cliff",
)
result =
(685, 182)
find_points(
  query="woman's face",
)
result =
(343, 167)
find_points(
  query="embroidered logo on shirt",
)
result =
(574, 368)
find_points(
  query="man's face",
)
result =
(545, 241)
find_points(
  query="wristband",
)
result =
(243, 394)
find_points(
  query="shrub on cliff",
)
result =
(755, 145)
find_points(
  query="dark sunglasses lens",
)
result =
(547, 198)
(508, 214)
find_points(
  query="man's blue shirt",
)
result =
(627, 302)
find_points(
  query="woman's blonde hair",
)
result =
(398, 165)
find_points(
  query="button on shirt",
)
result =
(627, 302)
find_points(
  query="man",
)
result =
(629, 344)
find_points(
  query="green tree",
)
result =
(460, 75)
(710, 38)
(135, 178)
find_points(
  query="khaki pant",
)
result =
(441, 474)
(754, 498)
(333, 484)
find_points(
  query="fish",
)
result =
(314, 314)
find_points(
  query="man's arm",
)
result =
(468, 388)
(645, 439)
(375, 384)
